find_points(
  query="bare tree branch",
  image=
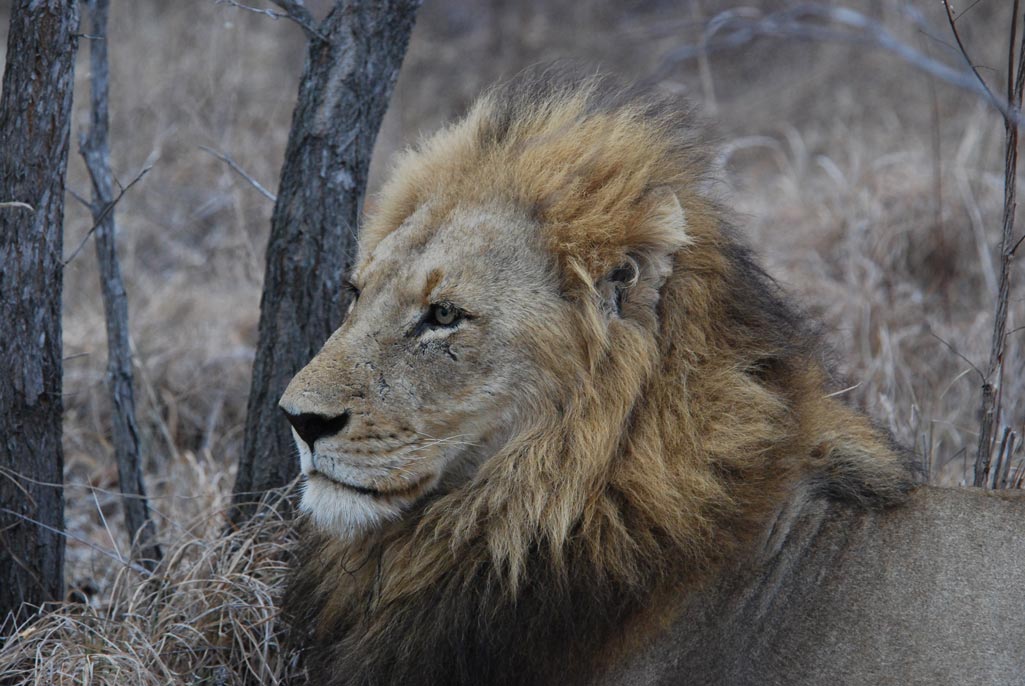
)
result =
(241, 172)
(958, 353)
(104, 213)
(815, 22)
(968, 9)
(82, 200)
(961, 47)
(1014, 88)
(990, 405)
(298, 12)
(295, 11)
(113, 555)
(95, 149)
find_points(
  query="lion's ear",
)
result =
(648, 259)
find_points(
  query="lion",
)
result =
(570, 432)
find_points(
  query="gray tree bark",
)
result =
(35, 111)
(352, 62)
(95, 149)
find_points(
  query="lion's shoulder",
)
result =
(918, 593)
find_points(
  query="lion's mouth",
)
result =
(404, 491)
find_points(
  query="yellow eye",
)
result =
(445, 314)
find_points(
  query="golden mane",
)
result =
(679, 437)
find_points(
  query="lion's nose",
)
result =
(311, 426)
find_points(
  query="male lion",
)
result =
(570, 432)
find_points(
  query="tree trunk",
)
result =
(95, 149)
(352, 62)
(35, 114)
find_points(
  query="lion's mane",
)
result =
(679, 439)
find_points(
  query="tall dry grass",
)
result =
(871, 192)
(208, 614)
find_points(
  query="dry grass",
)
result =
(207, 615)
(830, 159)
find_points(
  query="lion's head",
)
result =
(563, 389)
(440, 358)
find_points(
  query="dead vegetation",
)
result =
(871, 192)
(206, 615)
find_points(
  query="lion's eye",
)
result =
(353, 292)
(351, 288)
(444, 314)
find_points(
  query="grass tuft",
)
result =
(207, 615)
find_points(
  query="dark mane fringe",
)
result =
(476, 634)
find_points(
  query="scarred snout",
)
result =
(362, 462)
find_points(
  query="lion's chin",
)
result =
(349, 511)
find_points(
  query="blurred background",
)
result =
(872, 192)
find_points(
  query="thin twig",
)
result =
(22, 205)
(1017, 244)
(294, 11)
(255, 10)
(1007, 456)
(241, 172)
(104, 212)
(1011, 85)
(94, 147)
(969, 8)
(80, 198)
(297, 11)
(992, 386)
(955, 351)
(117, 558)
(816, 22)
(843, 390)
(961, 47)
(15, 477)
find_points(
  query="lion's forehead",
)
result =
(477, 244)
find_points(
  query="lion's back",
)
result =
(929, 592)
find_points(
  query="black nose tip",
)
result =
(312, 426)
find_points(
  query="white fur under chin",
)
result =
(335, 509)
(343, 512)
